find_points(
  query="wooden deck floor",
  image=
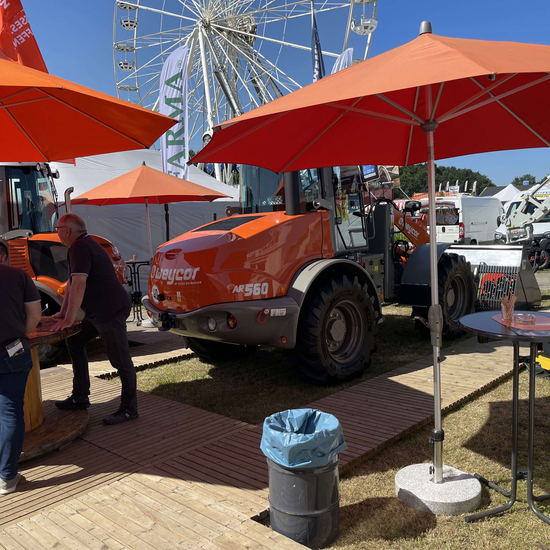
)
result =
(181, 477)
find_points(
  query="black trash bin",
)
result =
(302, 449)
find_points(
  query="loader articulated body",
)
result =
(305, 267)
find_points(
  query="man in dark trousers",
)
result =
(94, 287)
(21, 311)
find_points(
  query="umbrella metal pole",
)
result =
(207, 98)
(167, 221)
(149, 230)
(435, 316)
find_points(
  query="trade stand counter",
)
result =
(46, 427)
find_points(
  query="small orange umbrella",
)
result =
(45, 118)
(147, 186)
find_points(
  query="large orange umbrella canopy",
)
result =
(147, 185)
(45, 118)
(485, 96)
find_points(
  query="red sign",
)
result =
(17, 41)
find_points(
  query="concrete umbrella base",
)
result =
(459, 492)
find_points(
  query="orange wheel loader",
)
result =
(304, 267)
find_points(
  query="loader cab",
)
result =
(27, 198)
(263, 191)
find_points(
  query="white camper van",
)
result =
(467, 220)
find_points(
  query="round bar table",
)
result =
(487, 328)
(46, 427)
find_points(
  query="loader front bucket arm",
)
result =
(415, 230)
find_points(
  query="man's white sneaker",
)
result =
(7, 487)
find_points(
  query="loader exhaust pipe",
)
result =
(292, 193)
(68, 205)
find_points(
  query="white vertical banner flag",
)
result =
(173, 103)
(343, 61)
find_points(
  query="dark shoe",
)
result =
(70, 404)
(119, 417)
(7, 487)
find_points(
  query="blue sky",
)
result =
(76, 41)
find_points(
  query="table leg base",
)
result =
(58, 429)
(491, 512)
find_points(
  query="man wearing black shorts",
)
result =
(21, 312)
(94, 287)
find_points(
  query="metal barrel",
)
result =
(304, 503)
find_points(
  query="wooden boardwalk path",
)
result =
(181, 477)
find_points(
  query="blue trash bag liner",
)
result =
(302, 438)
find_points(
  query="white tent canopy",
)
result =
(126, 225)
(507, 194)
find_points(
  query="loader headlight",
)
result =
(231, 321)
(211, 323)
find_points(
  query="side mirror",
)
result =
(498, 221)
(230, 210)
(412, 206)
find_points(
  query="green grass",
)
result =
(477, 439)
(265, 382)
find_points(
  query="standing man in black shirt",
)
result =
(21, 312)
(94, 287)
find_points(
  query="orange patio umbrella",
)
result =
(145, 185)
(432, 98)
(45, 118)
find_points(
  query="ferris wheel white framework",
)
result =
(237, 49)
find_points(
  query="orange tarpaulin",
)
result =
(45, 118)
(486, 96)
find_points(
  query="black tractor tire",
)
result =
(49, 354)
(457, 292)
(212, 351)
(336, 331)
(457, 295)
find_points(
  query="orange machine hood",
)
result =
(235, 259)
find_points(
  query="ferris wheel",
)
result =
(242, 53)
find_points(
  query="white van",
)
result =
(467, 220)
